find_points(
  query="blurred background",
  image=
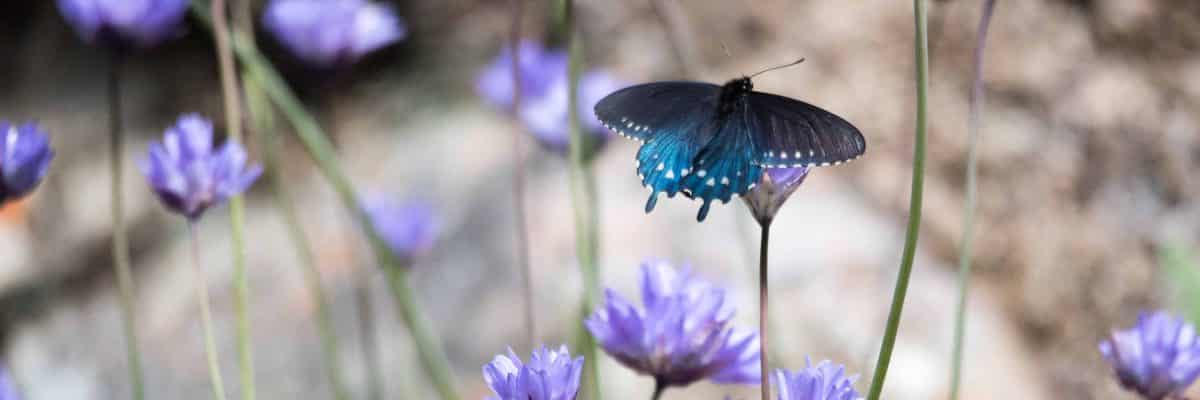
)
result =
(1088, 155)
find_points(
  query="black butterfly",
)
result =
(712, 142)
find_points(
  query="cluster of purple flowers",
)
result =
(544, 100)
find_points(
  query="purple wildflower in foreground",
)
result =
(125, 24)
(682, 334)
(824, 381)
(8, 388)
(1157, 358)
(189, 174)
(549, 375)
(332, 33)
(410, 229)
(25, 156)
(544, 88)
(772, 190)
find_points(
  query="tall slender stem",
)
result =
(233, 122)
(659, 388)
(321, 150)
(763, 279)
(120, 242)
(264, 127)
(519, 180)
(583, 197)
(968, 233)
(210, 343)
(921, 53)
(366, 334)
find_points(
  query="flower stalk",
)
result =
(263, 117)
(526, 270)
(583, 196)
(120, 240)
(965, 251)
(210, 343)
(763, 316)
(921, 54)
(233, 122)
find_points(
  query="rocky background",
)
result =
(1087, 160)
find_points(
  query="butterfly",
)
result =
(712, 142)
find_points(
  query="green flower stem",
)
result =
(526, 270)
(423, 337)
(968, 233)
(233, 122)
(261, 113)
(318, 146)
(120, 240)
(210, 343)
(583, 196)
(921, 50)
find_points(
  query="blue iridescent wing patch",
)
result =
(725, 166)
(673, 120)
(790, 133)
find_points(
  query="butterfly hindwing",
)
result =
(645, 111)
(792, 133)
(723, 167)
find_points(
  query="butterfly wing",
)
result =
(673, 120)
(724, 167)
(645, 111)
(792, 133)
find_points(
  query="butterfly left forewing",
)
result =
(643, 112)
(792, 133)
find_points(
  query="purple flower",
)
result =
(189, 175)
(824, 381)
(410, 229)
(682, 334)
(8, 388)
(544, 89)
(25, 156)
(772, 190)
(332, 33)
(549, 375)
(124, 24)
(1157, 358)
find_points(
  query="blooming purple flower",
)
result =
(544, 88)
(189, 174)
(8, 388)
(25, 156)
(410, 229)
(549, 375)
(772, 190)
(332, 33)
(1157, 358)
(824, 381)
(124, 24)
(681, 335)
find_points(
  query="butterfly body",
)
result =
(712, 142)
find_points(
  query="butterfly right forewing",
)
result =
(792, 133)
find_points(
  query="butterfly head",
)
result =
(732, 91)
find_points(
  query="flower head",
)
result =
(1157, 358)
(410, 229)
(8, 389)
(25, 156)
(189, 174)
(332, 33)
(824, 381)
(549, 375)
(681, 335)
(544, 88)
(772, 190)
(124, 24)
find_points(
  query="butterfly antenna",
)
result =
(726, 50)
(778, 67)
